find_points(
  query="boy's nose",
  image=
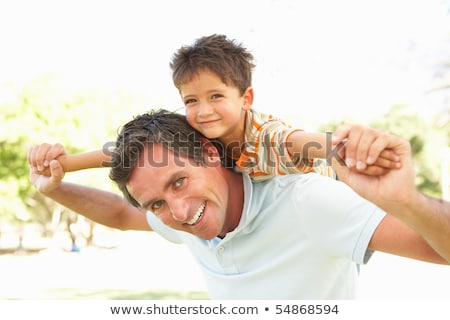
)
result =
(205, 109)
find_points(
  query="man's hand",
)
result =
(362, 149)
(41, 158)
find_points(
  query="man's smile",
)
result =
(197, 215)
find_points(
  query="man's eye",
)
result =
(157, 205)
(179, 182)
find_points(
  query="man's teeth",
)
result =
(197, 215)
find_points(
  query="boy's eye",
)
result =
(189, 101)
(216, 96)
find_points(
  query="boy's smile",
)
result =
(214, 108)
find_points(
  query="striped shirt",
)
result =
(266, 155)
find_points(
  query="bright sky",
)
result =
(316, 59)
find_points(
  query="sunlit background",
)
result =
(74, 71)
(353, 58)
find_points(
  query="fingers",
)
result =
(36, 155)
(387, 164)
(39, 156)
(389, 154)
(48, 183)
(340, 134)
(57, 172)
(356, 144)
(365, 146)
(46, 172)
(388, 159)
(372, 171)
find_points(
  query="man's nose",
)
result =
(178, 210)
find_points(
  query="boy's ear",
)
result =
(248, 99)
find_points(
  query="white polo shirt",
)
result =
(300, 236)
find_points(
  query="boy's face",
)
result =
(215, 109)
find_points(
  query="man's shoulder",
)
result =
(283, 181)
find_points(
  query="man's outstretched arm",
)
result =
(395, 192)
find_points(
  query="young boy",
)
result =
(214, 78)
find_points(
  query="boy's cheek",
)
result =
(190, 117)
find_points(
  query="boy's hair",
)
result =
(226, 58)
(155, 127)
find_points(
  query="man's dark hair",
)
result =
(167, 128)
(226, 58)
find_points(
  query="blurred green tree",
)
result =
(50, 109)
(428, 140)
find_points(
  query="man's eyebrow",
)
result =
(173, 177)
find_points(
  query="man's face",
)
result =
(183, 194)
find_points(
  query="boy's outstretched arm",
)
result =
(103, 207)
(320, 145)
(91, 159)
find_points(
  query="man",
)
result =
(290, 237)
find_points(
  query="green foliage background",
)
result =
(51, 109)
(429, 138)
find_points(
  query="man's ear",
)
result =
(211, 155)
(248, 99)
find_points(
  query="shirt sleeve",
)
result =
(342, 222)
(266, 151)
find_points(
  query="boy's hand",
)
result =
(365, 150)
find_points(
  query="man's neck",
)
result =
(235, 200)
